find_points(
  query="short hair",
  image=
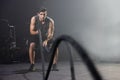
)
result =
(43, 9)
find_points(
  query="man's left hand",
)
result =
(45, 43)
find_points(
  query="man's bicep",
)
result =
(51, 26)
(32, 24)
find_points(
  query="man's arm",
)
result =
(32, 26)
(50, 30)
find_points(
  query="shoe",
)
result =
(54, 67)
(32, 67)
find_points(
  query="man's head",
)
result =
(42, 14)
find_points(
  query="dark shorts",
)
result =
(36, 40)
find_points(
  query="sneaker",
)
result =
(54, 67)
(32, 67)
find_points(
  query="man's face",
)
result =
(42, 15)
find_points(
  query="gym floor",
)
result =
(19, 71)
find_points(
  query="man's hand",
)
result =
(45, 43)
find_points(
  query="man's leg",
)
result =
(55, 61)
(32, 56)
(56, 57)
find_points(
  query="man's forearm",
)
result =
(50, 36)
(34, 32)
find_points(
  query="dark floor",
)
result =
(18, 71)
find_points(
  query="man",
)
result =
(46, 25)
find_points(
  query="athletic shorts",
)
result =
(35, 39)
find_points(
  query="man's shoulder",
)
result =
(50, 19)
(34, 17)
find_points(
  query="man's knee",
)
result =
(32, 45)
